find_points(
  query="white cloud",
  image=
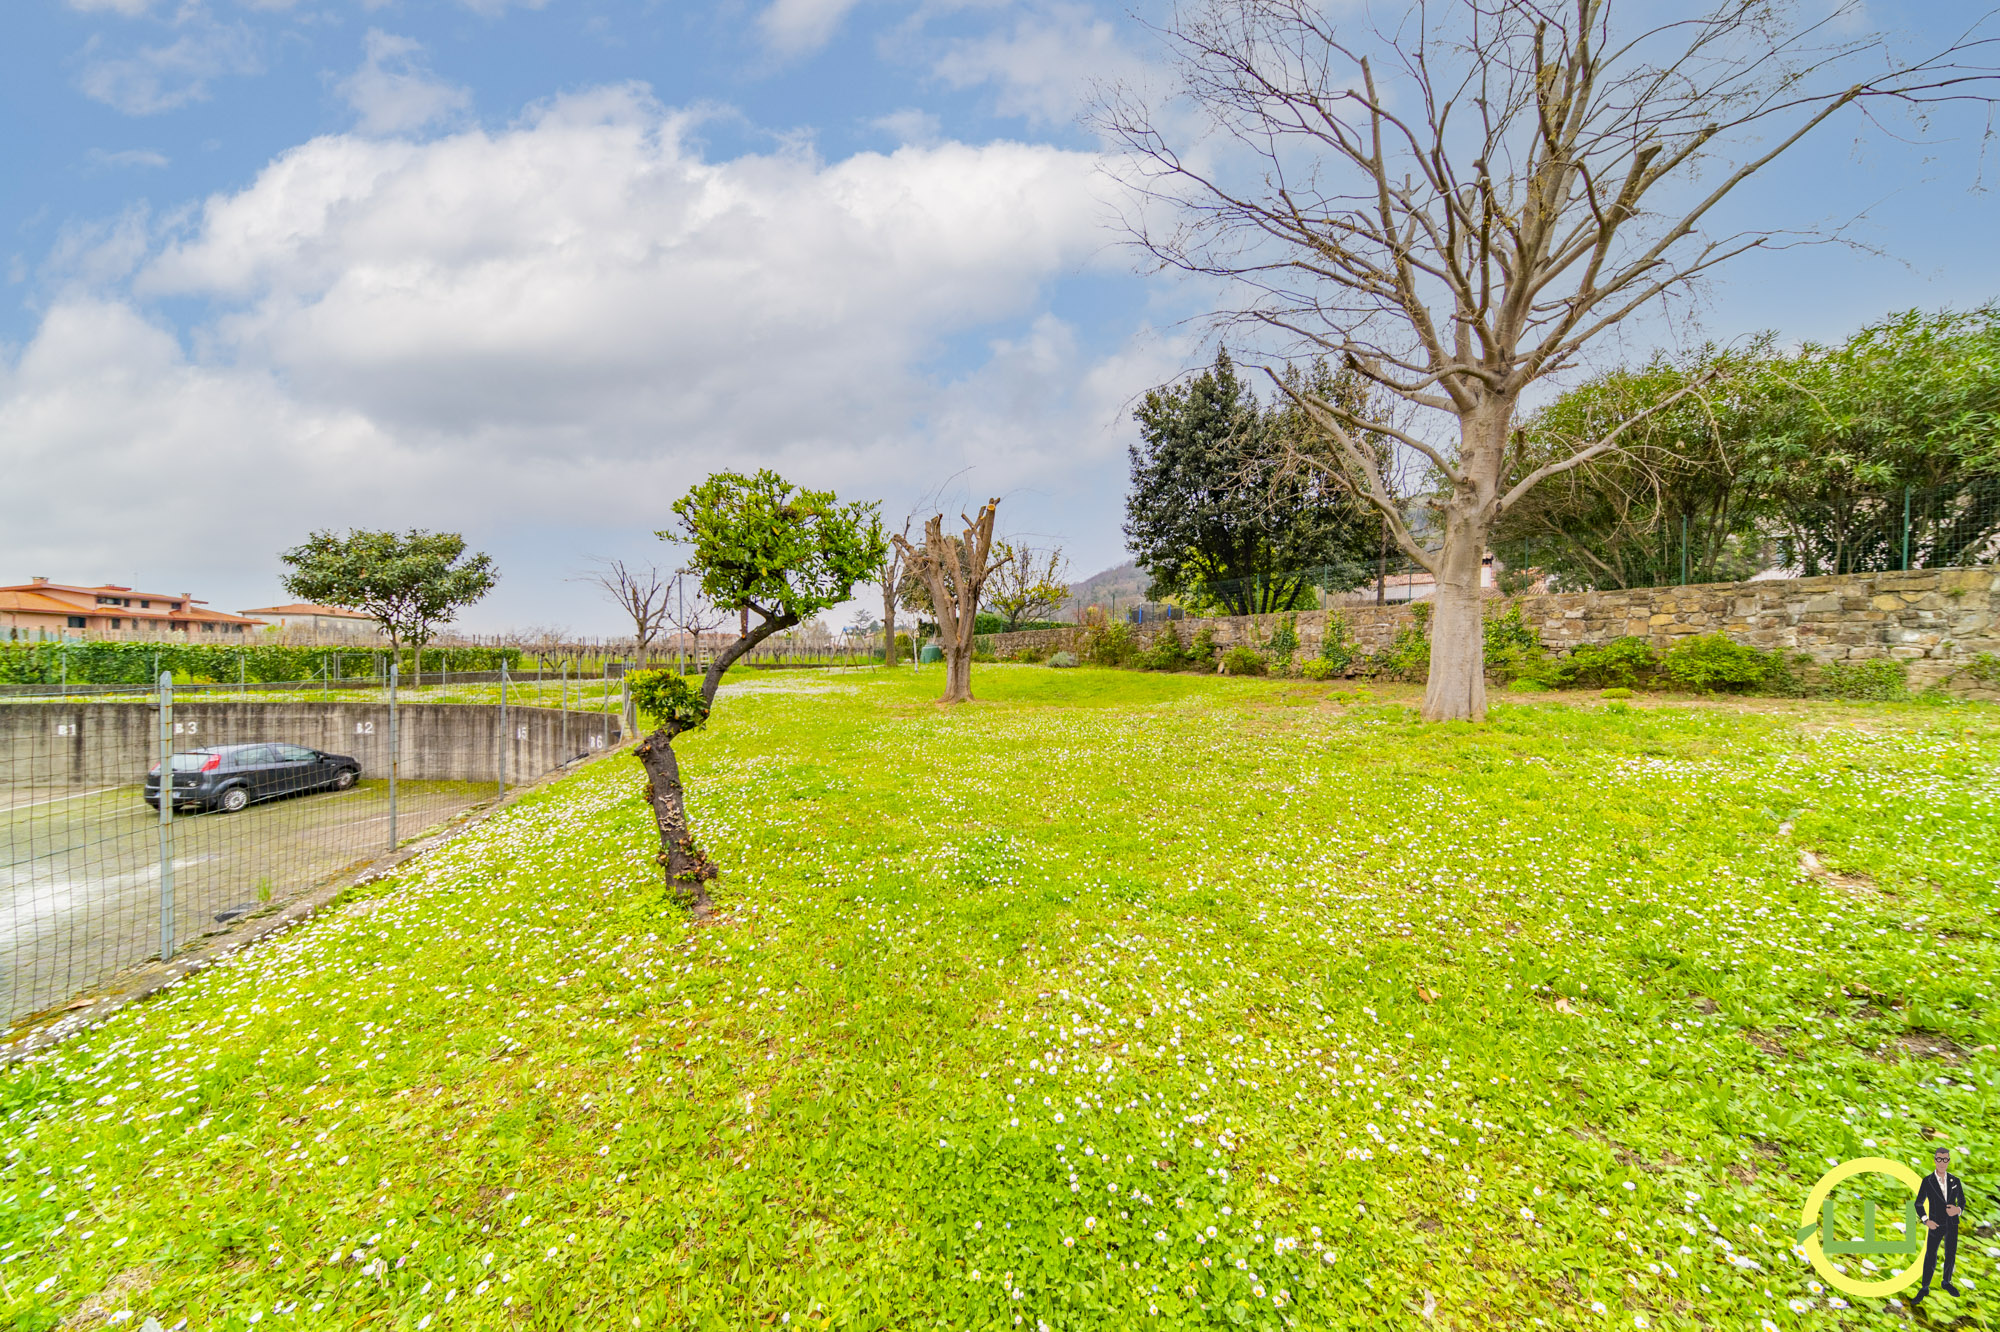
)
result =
(1042, 66)
(794, 27)
(394, 92)
(129, 8)
(559, 327)
(162, 78)
(127, 157)
(910, 125)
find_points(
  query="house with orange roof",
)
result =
(42, 609)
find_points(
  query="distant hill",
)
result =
(1126, 582)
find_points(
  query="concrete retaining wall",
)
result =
(113, 744)
(1935, 620)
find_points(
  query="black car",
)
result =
(228, 777)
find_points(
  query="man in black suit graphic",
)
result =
(1940, 1201)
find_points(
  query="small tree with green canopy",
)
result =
(411, 583)
(760, 546)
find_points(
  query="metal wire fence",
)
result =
(271, 796)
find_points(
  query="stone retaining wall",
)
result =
(1935, 620)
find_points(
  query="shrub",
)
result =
(1513, 649)
(1617, 691)
(1285, 638)
(1201, 652)
(1715, 662)
(1166, 652)
(1337, 647)
(1031, 655)
(1112, 645)
(1408, 656)
(1063, 660)
(667, 699)
(1318, 668)
(1882, 681)
(1984, 668)
(1527, 684)
(1242, 661)
(1620, 664)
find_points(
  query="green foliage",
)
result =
(1030, 654)
(1813, 449)
(1513, 648)
(1882, 680)
(138, 663)
(1211, 517)
(668, 700)
(1337, 646)
(1201, 652)
(1063, 660)
(1617, 691)
(1284, 639)
(1408, 656)
(1527, 684)
(1165, 652)
(1985, 668)
(1241, 660)
(761, 544)
(1112, 644)
(1623, 663)
(1318, 668)
(1715, 663)
(411, 582)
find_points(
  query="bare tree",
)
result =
(891, 577)
(1028, 583)
(1456, 205)
(689, 613)
(953, 570)
(642, 591)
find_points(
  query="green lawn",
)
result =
(1111, 1001)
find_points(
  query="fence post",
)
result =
(1906, 528)
(625, 703)
(166, 711)
(395, 755)
(505, 734)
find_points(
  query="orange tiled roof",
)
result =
(29, 601)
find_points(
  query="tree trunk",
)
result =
(1456, 690)
(688, 870)
(958, 672)
(889, 626)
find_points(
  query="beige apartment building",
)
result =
(42, 609)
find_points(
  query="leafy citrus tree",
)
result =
(760, 546)
(411, 583)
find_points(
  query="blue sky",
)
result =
(528, 270)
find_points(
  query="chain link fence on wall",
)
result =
(272, 797)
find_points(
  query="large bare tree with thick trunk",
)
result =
(760, 545)
(954, 569)
(1456, 198)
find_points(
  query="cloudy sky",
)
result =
(526, 269)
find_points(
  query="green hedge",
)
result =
(138, 663)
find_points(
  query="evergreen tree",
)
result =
(1217, 520)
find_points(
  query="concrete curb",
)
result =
(149, 978)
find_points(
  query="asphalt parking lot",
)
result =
(80, 881)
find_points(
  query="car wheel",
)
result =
(234, 799)
(344, 779)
